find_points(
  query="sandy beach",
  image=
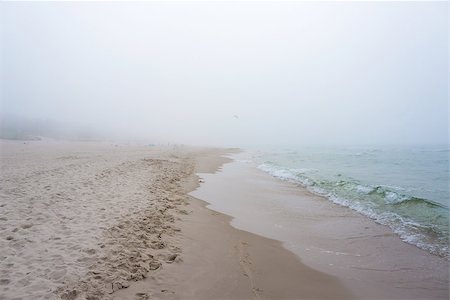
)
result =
(368, 259)
(84, 220)
(224, 150)
(80, 220)
(99, 220)
(222, 262)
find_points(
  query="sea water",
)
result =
(405, 188)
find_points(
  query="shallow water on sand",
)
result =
(405, 188)
(368, 258)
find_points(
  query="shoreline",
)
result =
(222, 262)
(114, 221)
(333, 239)
(118, 221)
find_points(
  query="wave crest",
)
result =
(418, 221)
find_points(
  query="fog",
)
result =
(234, 74)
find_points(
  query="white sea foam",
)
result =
(364, 189)
(409, 230)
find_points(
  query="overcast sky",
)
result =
(232, 73)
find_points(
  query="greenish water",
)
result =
(405, 188)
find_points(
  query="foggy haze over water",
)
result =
(235, 74)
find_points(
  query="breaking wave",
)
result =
(418, 221)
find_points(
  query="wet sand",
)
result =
(221, 262)
(367, 258)
(91, 220)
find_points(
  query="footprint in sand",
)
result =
(26, 226)
(142, 296)
(171, 258)
(4, 281)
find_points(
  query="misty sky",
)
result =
(293, 72)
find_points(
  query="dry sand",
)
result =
(86, 220)
(82, 219)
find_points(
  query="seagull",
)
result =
(236, 116)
